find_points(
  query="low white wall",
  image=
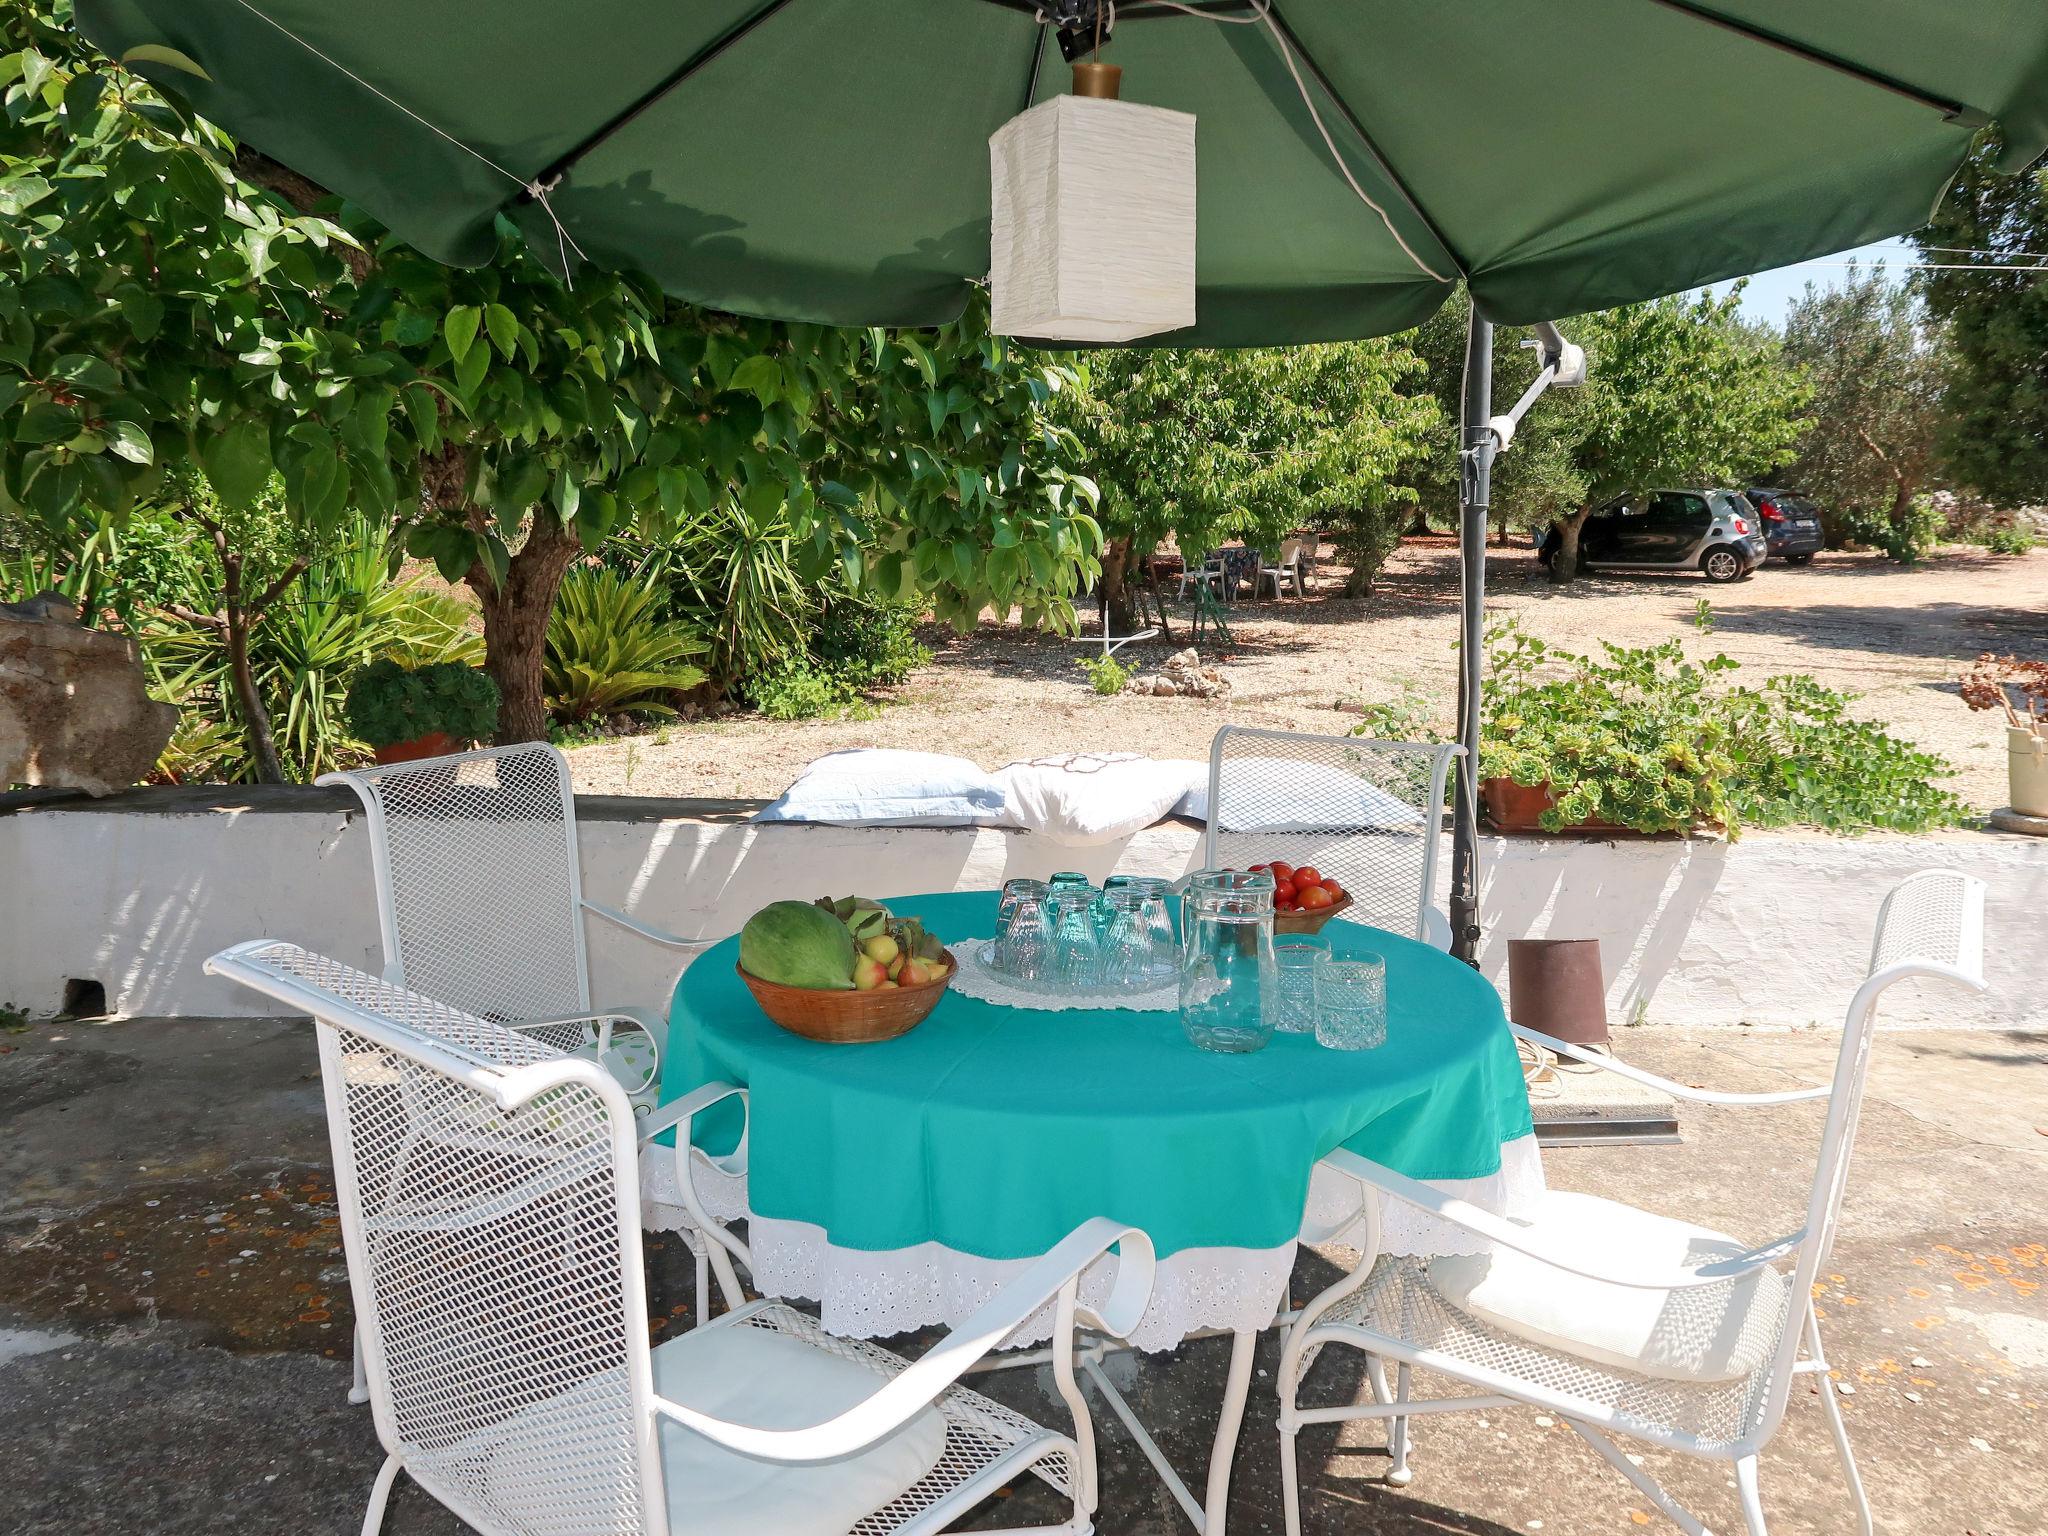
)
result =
(137, 891)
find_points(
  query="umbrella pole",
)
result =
(1476, 444)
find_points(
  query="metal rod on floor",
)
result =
(1475, 474)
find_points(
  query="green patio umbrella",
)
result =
(828, 159)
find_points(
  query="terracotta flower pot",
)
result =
(2026, 766)
(1513, 807)
(433, 744)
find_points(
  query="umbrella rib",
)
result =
(696, 61)
(1292, 40)
(1960, 113)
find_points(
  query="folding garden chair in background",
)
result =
(1619, 1321)
(1369, 813)
(488, 1197)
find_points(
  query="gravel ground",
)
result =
(1895, 634)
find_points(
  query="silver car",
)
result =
(1716, 532)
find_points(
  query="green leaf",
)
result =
(471, 371)
(48, 422)
(90, 375)
(170, 58)
(35, 69)
(504, 328)
(237, 462)
(22, 192)
(460, 329)
(129, 441)
(144, 312)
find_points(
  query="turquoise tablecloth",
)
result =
(995, 1131)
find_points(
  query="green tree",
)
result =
(1994, 434)
(1208, 445)
(1680, 391)
(158, 311)
(1867, 434)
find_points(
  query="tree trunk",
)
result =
(254, 714)
(516, 626)
(1118, 617)
(1564, 564)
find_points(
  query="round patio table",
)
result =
(901, 1183)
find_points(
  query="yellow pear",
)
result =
(881, 947)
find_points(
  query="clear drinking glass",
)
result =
(1351, 1002)
(1228, 978)
(1023, 944)
(1132, 959)
(1076, 959)
(1296, 958)
(1070, 880)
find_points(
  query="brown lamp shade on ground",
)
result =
(1555, 987)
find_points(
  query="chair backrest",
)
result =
(1931, 925)
(489, 1203)
(1369, 813)
(1291, 551)
(478, 892)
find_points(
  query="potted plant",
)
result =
(423, 711)
(1634, 742)
(2020, 688)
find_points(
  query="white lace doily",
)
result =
(867, 1294)
(975, 979)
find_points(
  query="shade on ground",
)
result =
(827, 159)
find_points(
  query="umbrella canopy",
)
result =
(828, 160)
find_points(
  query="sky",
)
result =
(1770, 294)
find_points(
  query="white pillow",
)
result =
(1082, 798)
(1284, 794)
(879, 786)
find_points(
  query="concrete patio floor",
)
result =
(174, 1316)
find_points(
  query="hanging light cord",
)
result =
(533, 189)
(1261, 13)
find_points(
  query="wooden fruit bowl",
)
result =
(1310, 922)
(834, 1017)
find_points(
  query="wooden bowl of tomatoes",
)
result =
(1304, 898)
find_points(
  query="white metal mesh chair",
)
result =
(1617, 1320)
(480, 898)
(480, 905)
(490, 1210)
(1369, 813)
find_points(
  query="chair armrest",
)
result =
(619, 919)
(1523, 1239)
(1664, 1084)
(902, 1397)
(688, 1107)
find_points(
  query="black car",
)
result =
(1712, 531)
(1791, 523)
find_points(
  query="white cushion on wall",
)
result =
(1081, 798)
(880, 786)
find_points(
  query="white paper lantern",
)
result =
(1092, 232)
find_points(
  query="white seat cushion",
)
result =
(1713, 1333)
(770, 1380)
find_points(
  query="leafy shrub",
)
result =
(390, 703)
(2013, 539)
(610, 650)
(799, 690)
(1907, 538)
(1651, 740)
(342, 614)
(868, 644)
(1107, 675)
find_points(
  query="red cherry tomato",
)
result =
(1336, 891)
(1284, 891)
(1281, 871)
(1308, 875)
(1257, 868)
(1314, 898)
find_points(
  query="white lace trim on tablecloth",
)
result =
(722, 1194)
(974, 979)
(877, 1294)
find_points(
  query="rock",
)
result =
(73, 708)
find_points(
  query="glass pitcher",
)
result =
(1228, 978)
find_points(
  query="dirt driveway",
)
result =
(1895, 634)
